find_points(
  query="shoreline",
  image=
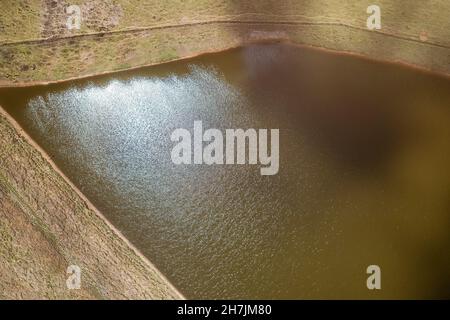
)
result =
(284, 41)
(22, 133)
(27, 138)
(46, 221)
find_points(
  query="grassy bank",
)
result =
(46, 226)
(119, 34)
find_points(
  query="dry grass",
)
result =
(39, 209)
(20, 19)
(45, 226)
(333, 24)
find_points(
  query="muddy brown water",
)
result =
(364, 173)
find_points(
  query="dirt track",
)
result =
(119, 35)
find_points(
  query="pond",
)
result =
(363, 177)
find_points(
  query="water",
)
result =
(364, 171)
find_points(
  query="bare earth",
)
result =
(45, 223)
(36, 46)
(45, 226)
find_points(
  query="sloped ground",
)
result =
(121, 34)
(45, 226)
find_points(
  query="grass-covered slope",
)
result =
(35, 44)
(45, 226)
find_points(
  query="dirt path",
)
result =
(400, 36)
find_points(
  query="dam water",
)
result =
(364, 173)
